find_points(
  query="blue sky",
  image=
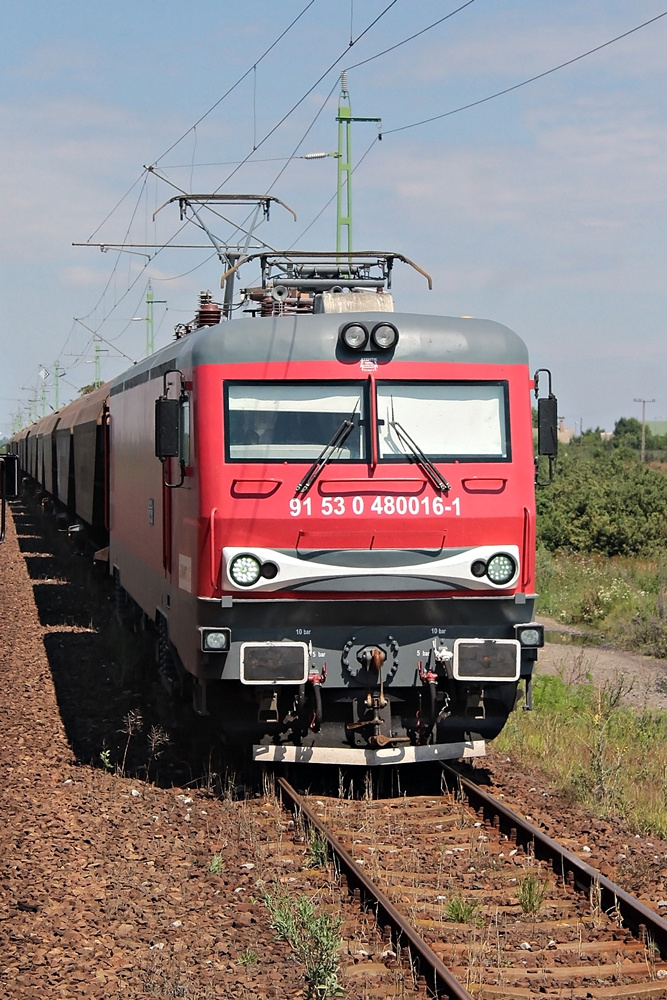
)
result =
(543, 209)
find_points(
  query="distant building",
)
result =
(565, 434)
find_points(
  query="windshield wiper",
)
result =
(418, 456)
(325, 456)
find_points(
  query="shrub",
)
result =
(606, 503)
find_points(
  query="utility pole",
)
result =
(643, 402)
(43, 374)
(150, 337)
(98, 350)
(56, 384)
(344, 160)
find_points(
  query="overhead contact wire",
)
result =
(240, 80)
(524, 83)
(306, 95)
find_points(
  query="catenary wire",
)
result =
(306, 95)
(524, 83)
(239, 81)
(275, 127)
(411, 37)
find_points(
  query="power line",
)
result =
(524, 83)
(242, 162)
(307, 94)
(239, 81)
(411, 37)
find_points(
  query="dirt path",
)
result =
(644, 678)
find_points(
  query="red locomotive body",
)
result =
(329, 513)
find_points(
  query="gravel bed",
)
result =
(106, 887)
(105, 881)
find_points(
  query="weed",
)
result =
(318, 850)
(217, 865)
(248, 957)
(461, 911)
(531, 892)
(314, 937)
(132, 723)
(105, 757)
(157, 738)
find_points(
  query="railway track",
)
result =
(485, 904)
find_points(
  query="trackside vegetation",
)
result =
(610, 758)
(602, 537)
(602, 569)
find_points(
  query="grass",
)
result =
(531, 893)
(611, 758)
(318, 850)
(248, 957)
(314, 937)
(217, 865)
(461, 911)
(621, 599)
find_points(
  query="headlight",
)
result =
(478, 568)
(530, 635)
(215, 640)
(245, 570)
(384, 336)
(354, 335)
(501, 568)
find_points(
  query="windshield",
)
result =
(455, 421)
(283, 421)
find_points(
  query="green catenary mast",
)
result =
(344, 157)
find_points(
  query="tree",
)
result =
(628, 433)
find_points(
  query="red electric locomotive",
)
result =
(327, 508)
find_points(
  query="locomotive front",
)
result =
(362, 580)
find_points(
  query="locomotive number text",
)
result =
(385, 505)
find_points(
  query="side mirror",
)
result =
(9, 486)
(547, 427)
(167, 428)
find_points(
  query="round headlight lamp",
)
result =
(245, 570)
(384, 336)
(531, 637)
(478, 568)
(354, 335)
(500, 568)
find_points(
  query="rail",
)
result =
(438, 978)
(635, 915)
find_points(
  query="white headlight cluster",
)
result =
(383, 336)
(500, 568)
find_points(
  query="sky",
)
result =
(542, 208)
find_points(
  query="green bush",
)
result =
(606, 502)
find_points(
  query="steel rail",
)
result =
(635, 915)
(438, 978)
